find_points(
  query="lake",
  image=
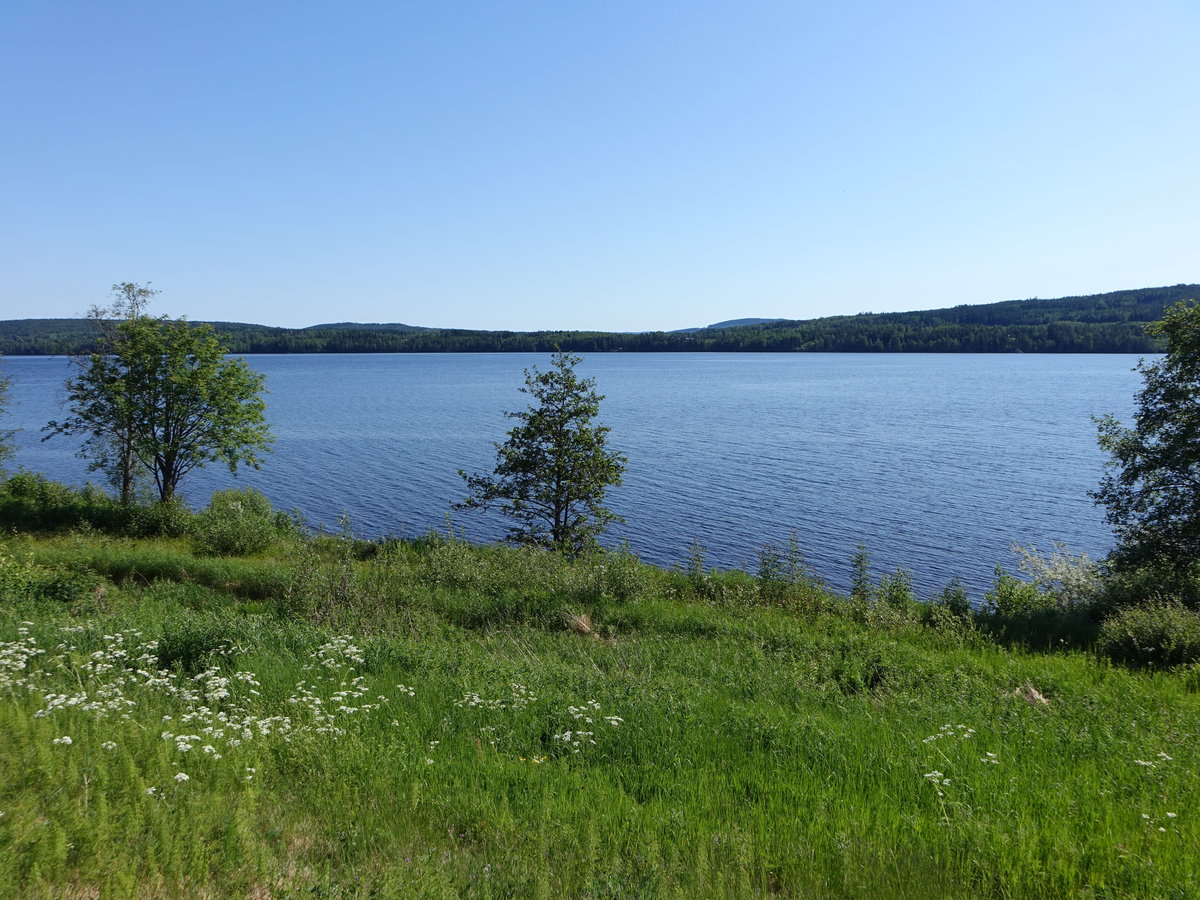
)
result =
(938, 463)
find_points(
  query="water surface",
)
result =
(936, 462)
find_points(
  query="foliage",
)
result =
(32, 502)
(552, 473)
(861, 588)
(21, 578)
(118, 460)
(1017, 611)
(954, 598)
(784, 575)
(1151, 491)
(1159, 634)
(1151, 582)
(1071, 580)
(1011, 596)
(236, 522)
(896, 589)
(166, 393)
(6, 448)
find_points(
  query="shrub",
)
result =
(1132, 587)
(785, 578)
(1158, 635)
(32, 502)
(164, 519)
(954, 598)
(1010, 597)
(235, 523)
(1070, 580)
(896, 589)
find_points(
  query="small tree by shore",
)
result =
(552, 473)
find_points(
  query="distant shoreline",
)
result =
(1100, 323)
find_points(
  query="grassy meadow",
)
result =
(329, 717)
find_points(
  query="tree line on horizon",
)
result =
(1100, 323)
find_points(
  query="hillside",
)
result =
(1099, 323)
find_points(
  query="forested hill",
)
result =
(1101, 323)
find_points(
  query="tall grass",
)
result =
(500, 722)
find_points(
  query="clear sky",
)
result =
(621, 165)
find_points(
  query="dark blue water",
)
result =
(936, 462)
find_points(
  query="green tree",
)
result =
(553, 471)
(1151, 491)
(113, 454)
(6, 448)
(165, 394)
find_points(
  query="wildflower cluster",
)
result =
(956, 735)
(519, 698)
(15, 657)
(212, 712)
(961, 732)
(938, 779)
(584, 719)
(577, 739)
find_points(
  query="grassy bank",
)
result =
(334, 718)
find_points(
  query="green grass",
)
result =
(777, 742)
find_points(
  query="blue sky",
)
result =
(618, 165)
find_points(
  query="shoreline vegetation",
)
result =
(1102, 323)
(226, 704)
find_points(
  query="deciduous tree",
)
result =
(1151, 491)
(165, 397)
(114, 454)
(552, 473)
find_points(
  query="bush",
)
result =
(954, 598)
(784, 577)
(1157, 635)
(163, 519)
(1071, 580)
(1135, 587)
(1017, 612)
(235, 523)
(896, 589)
(32, 502)
(1011, 597)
